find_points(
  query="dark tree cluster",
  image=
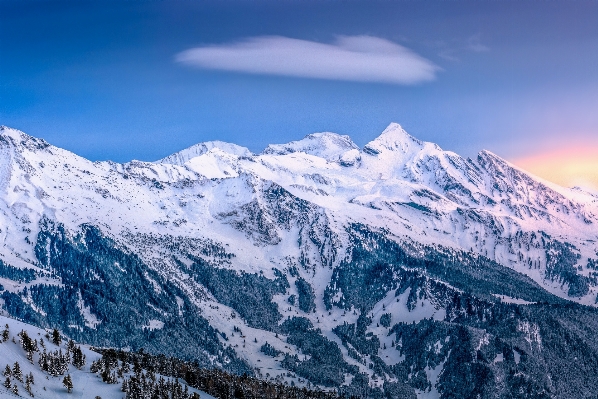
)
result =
(16, 373)
(16, 274)
(116, 285)
(378, 264)
(54, 363)
(29, 345)
(217, 383)
(561, 259)
(250, 294)
(145, 385)
(78, 357)
(269, 350)
(355, 334)
(326, 365)
(385, 320)
(306, 295)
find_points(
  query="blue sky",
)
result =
(142, 79)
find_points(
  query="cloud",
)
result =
(449, 55)
(474, 43)
(349, 58)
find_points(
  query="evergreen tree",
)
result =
(78, 357)
(56, 339)
(5, 334)
(7, 371)
(126, 367)
(68, 383)
(7, 383)
(108, 377)
(16, 372)
(28, 388)
(96, 366)
(137, 368)
(125, 386)
(43, 361)
(26, 341)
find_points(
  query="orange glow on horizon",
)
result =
(567, 167)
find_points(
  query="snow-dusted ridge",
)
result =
(396, 182)
(329, 146)
(194, 229)
(179, 158)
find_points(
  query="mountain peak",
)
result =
(394, 138)
(17, 138)
(15, 134)
(181, 157)
(327, 145)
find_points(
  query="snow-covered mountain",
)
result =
(211, 252)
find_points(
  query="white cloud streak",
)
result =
(349, 58)
(474, 43)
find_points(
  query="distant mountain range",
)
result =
(389, 271)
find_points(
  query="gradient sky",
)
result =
(142, 79)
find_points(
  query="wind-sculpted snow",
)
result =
(329, 146)
(197, 150)
(400, 259)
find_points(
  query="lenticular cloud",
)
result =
(351, 58)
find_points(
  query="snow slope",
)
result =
(85, 383)
(397, 182)
(292, 209)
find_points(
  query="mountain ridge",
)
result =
(306, 245)
(489, 184)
